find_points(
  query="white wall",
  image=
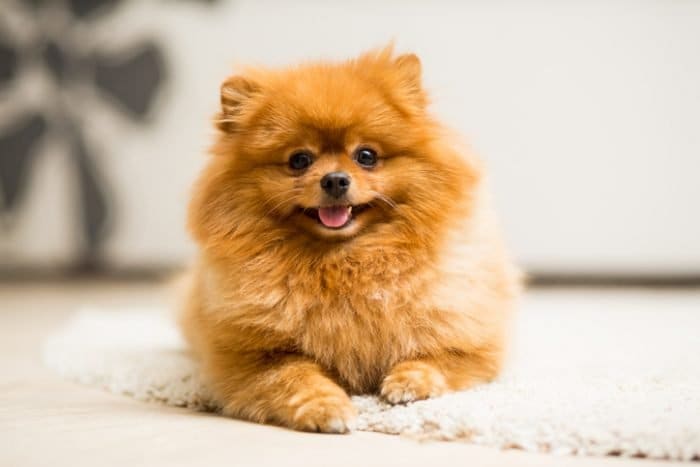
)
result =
(588, 114)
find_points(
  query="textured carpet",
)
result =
(601, 375)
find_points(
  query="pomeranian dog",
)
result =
(345, 247)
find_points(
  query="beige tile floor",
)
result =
(45, 421)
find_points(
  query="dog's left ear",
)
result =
(410, 79)
(410, 66)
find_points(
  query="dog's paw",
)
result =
(411, 381)
(323, 411)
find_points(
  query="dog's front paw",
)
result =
(326, 411)
(411, 381)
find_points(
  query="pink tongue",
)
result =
(334, 216)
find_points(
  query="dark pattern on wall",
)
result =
(128, 80)
(16, 148)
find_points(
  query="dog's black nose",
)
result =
(335, 184)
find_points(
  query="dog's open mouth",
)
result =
(335, 217)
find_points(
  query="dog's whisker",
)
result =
(386, 199)
(279, 202)
(284, 193)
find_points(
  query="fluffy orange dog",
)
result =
(345, 247)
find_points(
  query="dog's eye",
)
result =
(366, 157)
(300, 160)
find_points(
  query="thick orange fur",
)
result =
(411, 300)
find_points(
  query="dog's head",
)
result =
(327, 150)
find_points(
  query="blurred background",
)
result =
(587, 114)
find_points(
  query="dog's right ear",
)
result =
(237, 92)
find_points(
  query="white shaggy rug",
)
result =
(591, 374)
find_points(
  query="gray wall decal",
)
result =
(127, 79)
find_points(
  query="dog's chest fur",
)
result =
(356, 315)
